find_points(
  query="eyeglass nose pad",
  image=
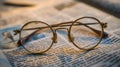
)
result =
(54, 38)
(71, 38)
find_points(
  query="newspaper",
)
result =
(63, 53)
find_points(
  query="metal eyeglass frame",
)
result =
(101, 33)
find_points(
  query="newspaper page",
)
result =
(63, 53)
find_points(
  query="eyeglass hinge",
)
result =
(104, 25)
(16, 32)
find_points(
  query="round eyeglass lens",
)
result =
(86, 32)
(36, 37)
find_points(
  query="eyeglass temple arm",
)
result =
(26, 38)
(105, 35)
(104, 25)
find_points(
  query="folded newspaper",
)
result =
(62, 54)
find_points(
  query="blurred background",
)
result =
(15, 13)
(109, 6)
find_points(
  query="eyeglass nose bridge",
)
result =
(55, 35)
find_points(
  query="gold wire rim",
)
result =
(101, 36)
(26, 48)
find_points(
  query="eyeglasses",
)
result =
(84, 33)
